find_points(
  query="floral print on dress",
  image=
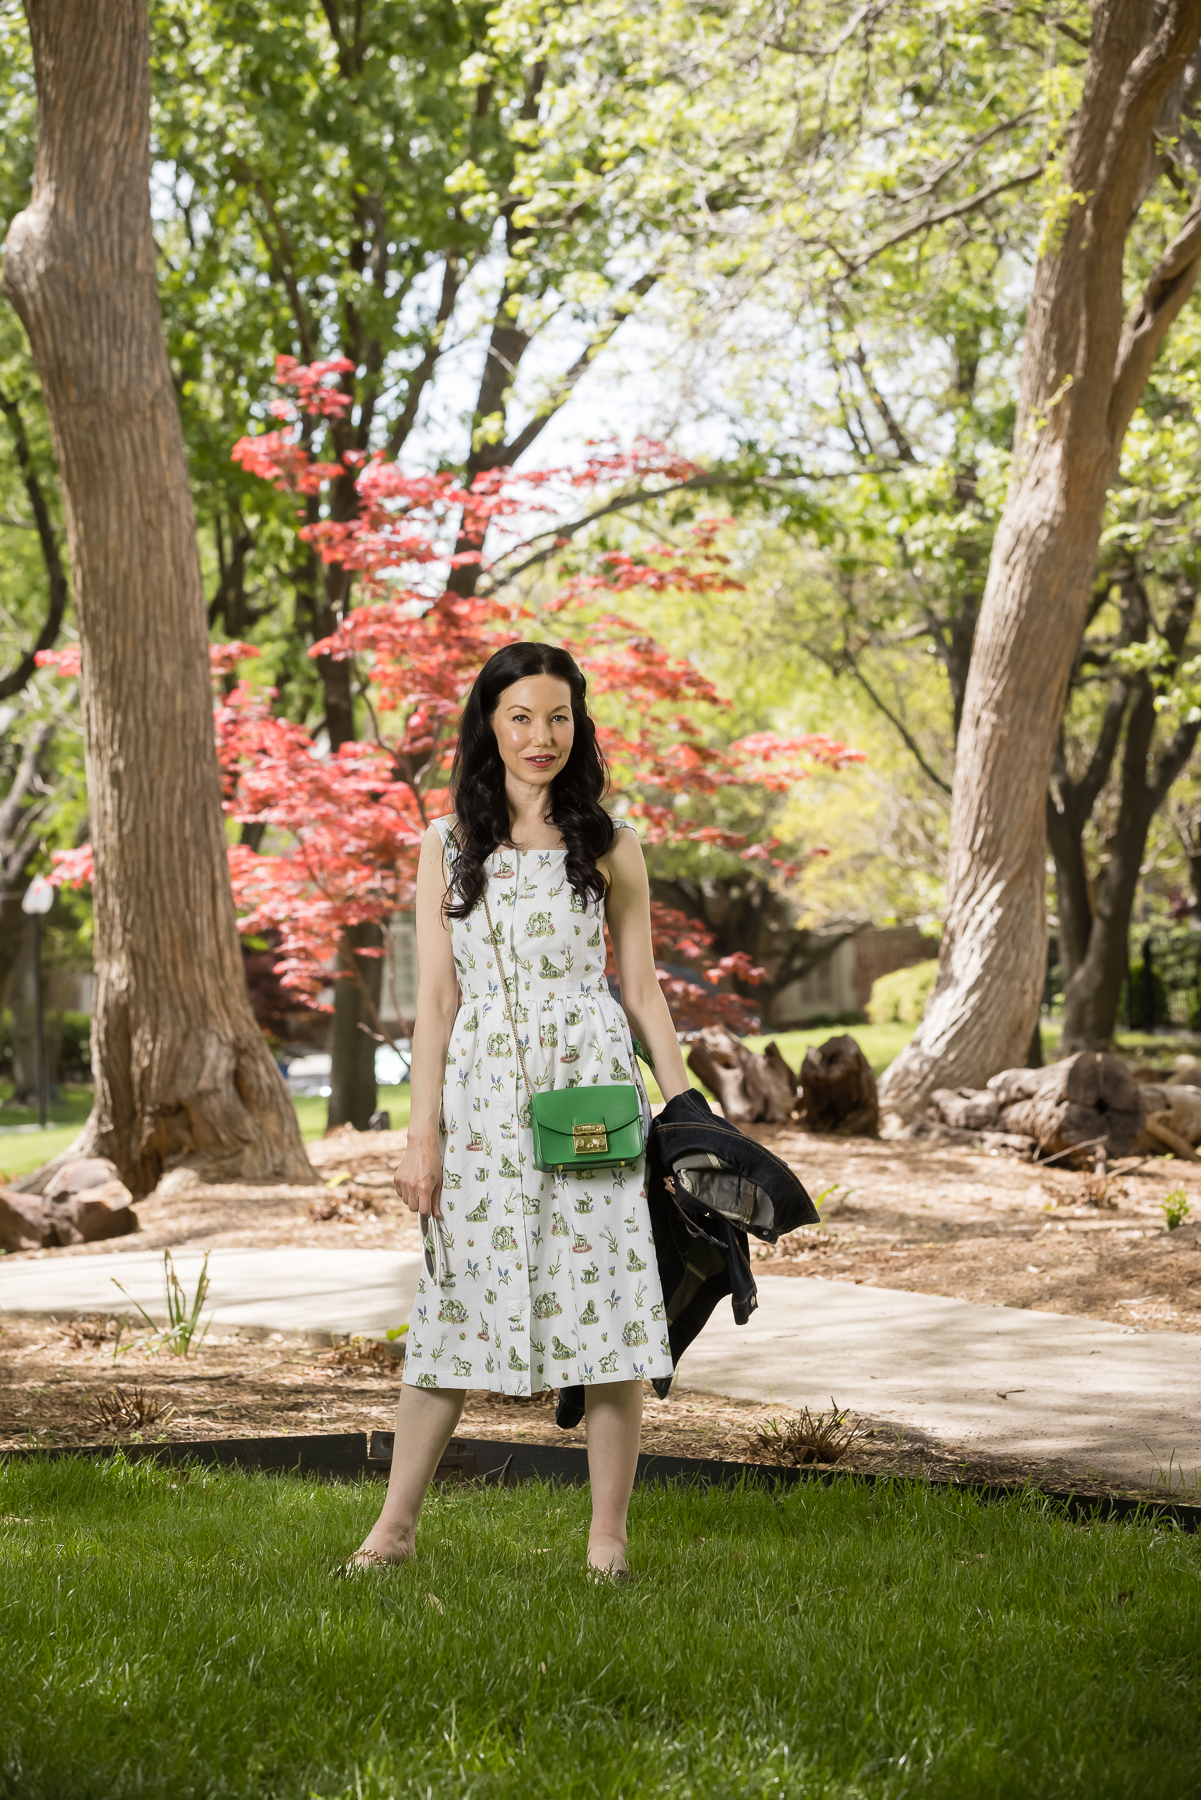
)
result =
(551, 1280)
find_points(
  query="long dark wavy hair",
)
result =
(477, 781)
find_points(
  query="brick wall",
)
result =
(880, 952)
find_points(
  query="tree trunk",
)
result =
(1093, 994)
(183, 1075)
(20, 839)
(1083, 371)
(352, 1093)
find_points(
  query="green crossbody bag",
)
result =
(576, 1128)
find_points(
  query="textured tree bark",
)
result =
(183, 1075)
(353, 1092)
(1084, 367)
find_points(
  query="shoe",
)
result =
(609, 1577)
(366, 1562)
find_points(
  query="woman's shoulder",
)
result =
(624, 850)
(445, 828)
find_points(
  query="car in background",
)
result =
(310, 1076)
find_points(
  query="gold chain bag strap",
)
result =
(575, 1128)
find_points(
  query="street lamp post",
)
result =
(39, 898)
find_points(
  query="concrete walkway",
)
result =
(992, 1379)
(367, 1291)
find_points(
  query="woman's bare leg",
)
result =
(614, 1413)
(425, 1423)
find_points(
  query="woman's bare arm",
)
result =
(418, 1178)
(628, 914)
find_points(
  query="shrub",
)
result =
(75, 1053)
(900, 998)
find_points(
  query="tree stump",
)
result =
(1085, 1098)
(750, 1089)
(839, 1089)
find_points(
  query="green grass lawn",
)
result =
(20, 1152)
(879, 1043)
(186, 1638)
(312, 1110)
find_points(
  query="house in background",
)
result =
(855, 955)
(840, 980)
(398, 993)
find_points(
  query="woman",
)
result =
(548, 1279)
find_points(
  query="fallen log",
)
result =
(751, 1089)
(1085, 1098)
(1159, 1129)
(1178, 1107)
(838, 1089)
(967, 1109)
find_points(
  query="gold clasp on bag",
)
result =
(590, 1140)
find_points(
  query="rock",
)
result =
(23, 1224)
(34, 1222)
(752, 1089)
(77, 1176)
(971, 1109)
(839, 1090)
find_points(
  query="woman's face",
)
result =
(534, 728)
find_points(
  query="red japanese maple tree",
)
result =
(343, 831)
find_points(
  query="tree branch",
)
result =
(622, 504)
(1170, 285)
(15, 680)
(423, 373)
(958, 210)
(281, 257)
(621, 310)
(848, 661)
(12, 805)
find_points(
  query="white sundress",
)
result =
(550, 1280)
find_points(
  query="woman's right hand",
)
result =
(418, 1178)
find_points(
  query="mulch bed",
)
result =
(899, 1214)
(60, 1386)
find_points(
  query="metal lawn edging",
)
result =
(349, 1455)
